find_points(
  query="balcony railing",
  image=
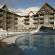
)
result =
(51, 20)
(26, 19)
(51, 16)
(16, 18)
(16, 22)
(36, 18)
(1, 18)
(1, 24)
(26, 23)
(8, 25)
(1, 12)
(35, 22)
(10, 15)
(8, 20)
(41, 16)
(41, 20)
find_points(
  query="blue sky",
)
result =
(26, 3)
(33, 3)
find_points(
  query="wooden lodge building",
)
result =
(8, 20)
(13, 22)
(44, 17)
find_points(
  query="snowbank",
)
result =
(3, 34)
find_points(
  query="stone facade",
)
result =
(7, 19)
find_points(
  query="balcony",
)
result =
(51, 16)
(8, 20)
(35, 23)
(52, 20)
(36, 18)
(1, 18)
(8, 24)
(16, 22)
(8, 27)
(16, 18)
(41, 21)
(26, 23)
(26, 19)
(1, 13)
(1, 24)
(9, 15)
(41, 16)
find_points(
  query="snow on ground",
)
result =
(16, 33)
(3, 34)
(11, 40)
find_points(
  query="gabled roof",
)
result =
(1, 6)
(46, 8)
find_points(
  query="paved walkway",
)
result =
(11, 40)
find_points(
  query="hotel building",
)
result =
(11, 21)
(44, 17)
(8, 20)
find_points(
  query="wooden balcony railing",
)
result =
(51, 20)
(26, 19)
(36, 18)
(35, 22)
(16, 22)
(10, 15)
(26, 23)
(1, 18)
(16, 18)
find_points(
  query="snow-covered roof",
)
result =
(26, 13)
(22, 14)
(1, 6)
(34, 12)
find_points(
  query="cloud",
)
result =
(28, 9)
(20, 10)
(32, 9)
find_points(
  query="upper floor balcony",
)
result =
(41, 20)
(26, 23)
(1, 13)
(41, 16)
(9, 15)
(16, 18)
(52, 20)
(35, 23)
(16, 22)
(1, 18)
(51, 15)
(35, 18)
(1, 23)
(26, 19)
